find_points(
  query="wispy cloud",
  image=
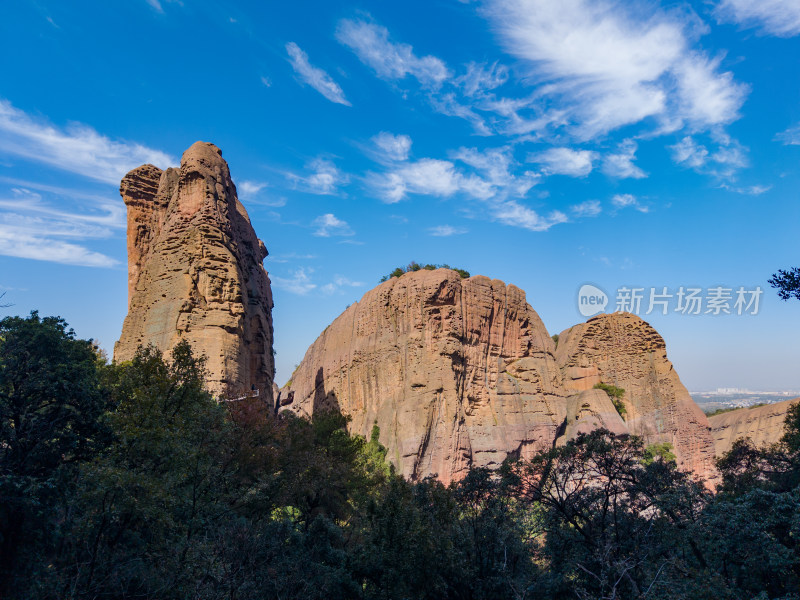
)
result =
(338, 284)
(588, 208)
(610, 64)
(314, 76)
(390, 60)
(446, 230)
(328, 225)
(728, 157)
(76, 148)
(248, 189)
(628, 201)
(490, 181)
(620, 164)
(393, 147)
(325, 178)
(299, 282)
(31, 228)
(511, 212)
(748, 190)
(564, 161)
(790, 137)
(774, 17)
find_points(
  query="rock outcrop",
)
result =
(195, 272)
(460, 373)
(621, 349)
(763, 425)
(456, 373)
(589, 410)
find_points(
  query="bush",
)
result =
(415, 266)
(615, 394)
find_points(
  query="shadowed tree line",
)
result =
(130, 481)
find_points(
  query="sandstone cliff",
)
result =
(762, 424)
(456, 373)
(195, 272)
(623, 350)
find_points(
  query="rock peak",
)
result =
(204, 152)
(195, 271)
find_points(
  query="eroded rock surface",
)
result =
(456, 373)
(195, 272)
(621, 349)
(762, 424)
(589, 410)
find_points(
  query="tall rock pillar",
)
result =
(195, 272)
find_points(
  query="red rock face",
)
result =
(195, 272)
(456, 373)
(623, 350)
(763, 425)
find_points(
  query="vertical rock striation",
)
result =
(195, 272)
(623, 350)
(456, 373)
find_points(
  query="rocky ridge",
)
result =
(763, 425)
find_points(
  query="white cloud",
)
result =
(705, 96)
(729, 156)
(588, 208)
(325, 178)
(628, 201)
(689, 153)
(338, 283)
(620, 165)
(775, 17)
(328, 225)
(394, 147)
(31, 228)
(427, 176)
(248, 189)
(266, 81)
(565, 161)
(313, 76)
(790, 137)
(750, 190)
(298, 282)
(155, 5)
(611, 64)
(390, 60)
(481, 78)
(492, 183)
(511, 212)
(446, 231)
(76, 148)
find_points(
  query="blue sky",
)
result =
(546, 144)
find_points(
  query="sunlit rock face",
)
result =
(763, 425)
(455, 372)
(461, 372)
(195, 272)
(621, 349)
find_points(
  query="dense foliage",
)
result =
(131, 481)
(787, 282)
(415, 266)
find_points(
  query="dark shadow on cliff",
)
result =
(326, 402)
